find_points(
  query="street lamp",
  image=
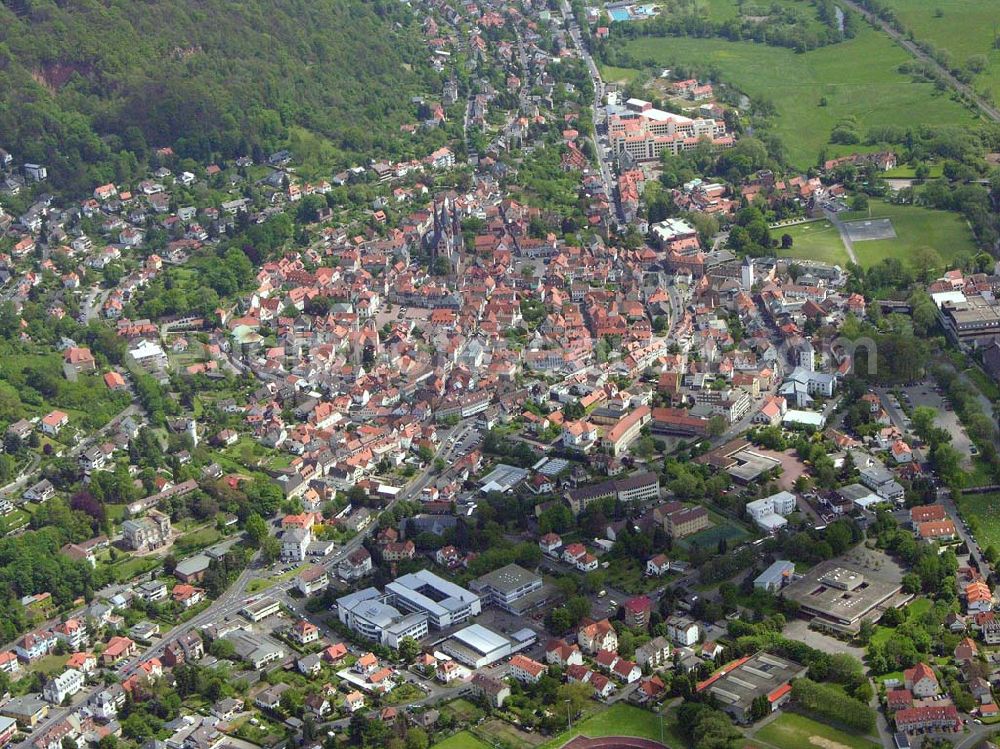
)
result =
(569, 717)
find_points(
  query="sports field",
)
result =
(620, 719)
(857, 78)
(961, 27)
(793, 731)
(916, 228)
(814, 240)
(461, 740)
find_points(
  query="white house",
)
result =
(294, 543)
(682, 631)
(657, 566)
(68, 683)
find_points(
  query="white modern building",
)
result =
(769, 513)
(368, 613)
(445, 603)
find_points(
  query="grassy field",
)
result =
(963, 28)
(15, 520)
(611, 74)
(815, 240)
(857, 78)
(461, 740)
(793, 731)
(916, 227)
(910, 172)
(129, 567)
(985, 508)
(622, 720)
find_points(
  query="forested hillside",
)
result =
(85, 81)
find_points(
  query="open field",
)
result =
(916, 227)
(611, 74)
(857, 78)
(461, 740)
(964, 28)
(985, 508)
(622, 720)
(910, 172)
(793, 731)
(814, 240)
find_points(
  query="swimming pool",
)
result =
(619, 14)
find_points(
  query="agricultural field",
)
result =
(963, 28)
(794, 731)
(946, 233)
(813, 240)
(856, 78)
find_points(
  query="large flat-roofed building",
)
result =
(477, 646)
(737, 685)
(511, 588)
(367, 613)
(445, 603)
(838, 595)
(968, 319)
(261, 609)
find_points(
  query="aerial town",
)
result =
(582, 421)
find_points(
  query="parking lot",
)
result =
(925, 395)
(869, 229)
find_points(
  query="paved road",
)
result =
(988, 109)
(848, 243)
(595, 76)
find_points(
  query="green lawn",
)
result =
(622, 719)
(611, 74)
(463, 710)
(985, 508)
(259, 584)
(815, 240)
(128, 567)
(857, 78)
(462, 740)
(197, 539)
(910, 172)
(793, 731)
(964, 28)
(50, 664)
(917, 228)
(15, 520)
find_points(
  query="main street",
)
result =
(597, 106)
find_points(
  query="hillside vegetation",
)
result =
(89, 87)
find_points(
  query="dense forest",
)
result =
(88, 83)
